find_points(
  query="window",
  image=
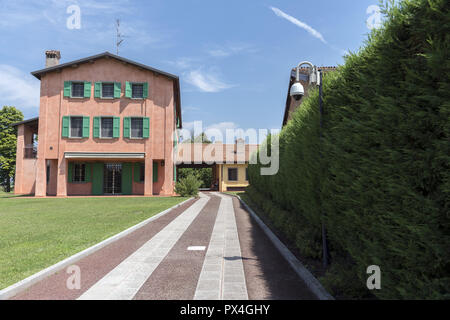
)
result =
(137, 90)
(232, 174)
(246, 174)
(76, 127)
(77, 89)
(79, 172)
(106, 127)
(137, 128)
(142, 172)
(107, 90)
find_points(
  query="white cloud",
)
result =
(206, 82)
(18, 88)
(298, 23)
(230, 49)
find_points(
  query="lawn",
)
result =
(36, 233)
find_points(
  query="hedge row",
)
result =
(379, 178)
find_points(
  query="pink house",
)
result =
(106, 126)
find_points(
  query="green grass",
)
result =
(36, 233)
(234, 193)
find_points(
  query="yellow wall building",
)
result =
(232, 177)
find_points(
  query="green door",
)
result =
(97, 179)
(127, 182)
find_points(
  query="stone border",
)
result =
(313, 284)
(20, 286)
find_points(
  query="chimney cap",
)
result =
(53, 54)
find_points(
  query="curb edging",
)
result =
(313, 284)
(20, 286)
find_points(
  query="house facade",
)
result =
(293, 104)
(106, 126)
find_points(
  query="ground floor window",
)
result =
(246, 174)
(232, 174)
(79, 172)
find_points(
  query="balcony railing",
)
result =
(30, 152)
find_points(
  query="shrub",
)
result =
(380, 175)
(188, 186)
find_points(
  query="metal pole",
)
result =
(324, 231)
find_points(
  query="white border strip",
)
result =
(313, 284)
(20, 286)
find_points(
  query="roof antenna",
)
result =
(119, 36)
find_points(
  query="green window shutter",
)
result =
(86, 127)
(128, 89)
(70, 172)
(145, 95)
(96, 127)
(155, 171)
(126, 127)
(88, 174)
(117, 90)
(97, 179)
(87, 89)
(116, 127)
(65, 126)
(127, 182)
(145, 127)
(67, 88)
(98, 90)
(137, 172)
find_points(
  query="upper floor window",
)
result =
(77, 89)
(107, 90)
(106, 127)
(76, 127)
(137, 127)
(136, 90)
(232, 174)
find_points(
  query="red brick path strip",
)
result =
(268, 275)
(98, 264)
(177, 275)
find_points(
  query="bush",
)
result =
(188, 186)
(380, 175)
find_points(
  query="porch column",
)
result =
(148, 181)
(61, 185)
(41, 178)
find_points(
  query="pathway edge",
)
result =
(313, 284)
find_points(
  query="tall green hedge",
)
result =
(382, 184)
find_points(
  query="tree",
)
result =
(8, 140)
(201, 138)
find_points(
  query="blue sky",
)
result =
(233, 57)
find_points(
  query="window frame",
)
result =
(70, 127)
(74, 165)
(137, 83)
(101, 90)
(131, 128)
(72, 83)
(237, 174)
(112, 127)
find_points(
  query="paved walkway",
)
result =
(207, 249)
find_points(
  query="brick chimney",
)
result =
(52, 58)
